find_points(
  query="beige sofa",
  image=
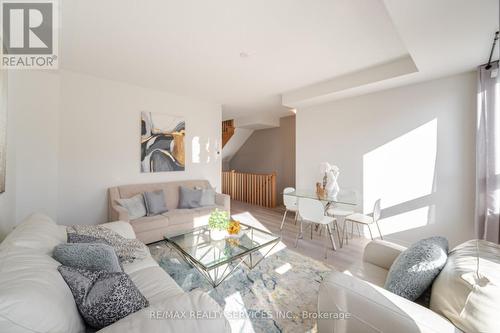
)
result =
(150, 229)
(465, 296)
(34, 298)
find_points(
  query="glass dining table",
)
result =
(345, 199)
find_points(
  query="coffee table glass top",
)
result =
(199, 246)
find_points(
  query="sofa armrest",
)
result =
(122, 228)
(223, 200)
(382, 253)
(118, 213)
(368, 308)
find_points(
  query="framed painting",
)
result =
(162, 142)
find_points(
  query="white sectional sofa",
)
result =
(35, 298)
(465, 296)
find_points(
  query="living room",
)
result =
(357, 190)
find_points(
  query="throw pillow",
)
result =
(207, 197)
(189, 198)
(126, 249)
(89, 256)
(155, 202)
(102, 297)
(135, 206)
(76, 238)
(415, 268)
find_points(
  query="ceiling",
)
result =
(247, 54)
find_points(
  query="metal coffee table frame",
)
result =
(219, 272)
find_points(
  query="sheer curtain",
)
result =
(487, 224)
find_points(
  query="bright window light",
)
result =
(283, 269)
(238, 319)
(406, 221)
(195, 150)
(402, 169)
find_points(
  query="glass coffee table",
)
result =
(216, 260)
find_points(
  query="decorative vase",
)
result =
(218, 234)
(332, 187)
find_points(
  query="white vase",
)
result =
(332, 187)
(218, 234)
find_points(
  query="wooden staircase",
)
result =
(227, 131)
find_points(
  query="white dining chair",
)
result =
(290, 202)
(366, 219)
(312, 212)
(340, 215)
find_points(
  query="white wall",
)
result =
(32, 146)
(100, 135)
(76, 135)
(412, 146)
(8, 198)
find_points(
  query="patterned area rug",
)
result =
(276, 296)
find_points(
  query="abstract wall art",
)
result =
(162, 142)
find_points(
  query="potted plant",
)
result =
(218, 223)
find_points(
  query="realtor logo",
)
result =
(29, 34)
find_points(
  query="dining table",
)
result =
(345, 198)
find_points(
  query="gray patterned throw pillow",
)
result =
(415, 268)
(126, 249)
(101, 297)
(76, 238)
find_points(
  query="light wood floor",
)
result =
(346, 258)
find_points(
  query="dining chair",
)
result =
(366, 219)
(340, 216)
(312, 212)
(290, 203)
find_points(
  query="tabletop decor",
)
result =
(330, 176)
(234, 228)
(218, 222)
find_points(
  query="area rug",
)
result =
(279, 295)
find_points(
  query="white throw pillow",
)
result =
(135, 206)
(467, 291)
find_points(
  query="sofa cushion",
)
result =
(102, 297)
(155, 202)
(135, 206)
(415, 268)
(155, 284)
(38, 233)
(202, 211)
(34, 296)
(90, 256)
(122, 228)
(149, 223)
(203, 315)
(180, 216)
(467, 291)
